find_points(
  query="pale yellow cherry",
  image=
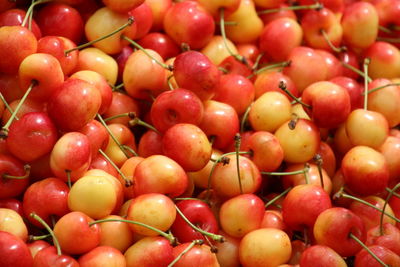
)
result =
(105, 21)
(367, 128)
(156, 210)
(270, 111)
(216, 50)
(96, 60)
(248, 25)
(299, 139)
(110, 230)
(12, 222)
(93, 195)
(266, 247)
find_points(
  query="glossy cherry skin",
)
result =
(161, 43)
(198, 213)
(11, 187)
(46, 198)
(14, 252)
(32, 136)
(15, 17)
(60, 20)
(48, 257)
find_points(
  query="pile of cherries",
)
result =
(255, 133)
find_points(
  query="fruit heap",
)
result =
(200, 133)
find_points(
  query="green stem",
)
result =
(268, 67)
(127, 114)
(123, 149)
(384, 29)
(330, 44)
(137, 121)
(368, 250)
(170, 86)
(239, 58)
(128, 182)
(79, 47)
(32, 238)
(69, 179)
(257, 62)
(30, 11)
(350, 67)
(316, 6)
(389, 40)
(187, 198)
(27, 169)
(272, 201)
(214, 237)
(7, 105)
(186, 250)
(394, 193)
(5, 129)
(389, 196)
(319, 161)
(169, 236)
(138, 46)
(303, 171)
(379, 88)
(369, 205)
(55, 240)
(283, 87)
(366, 63)
(237, 148)
(244, 118)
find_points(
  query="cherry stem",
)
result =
(127, 114)
(5, 129)
(366, 63)
(123, 148)
(244, 118)
(272, 201)
(79, 47)
(257, 62)
(169, 236)
(170, 86)
(53, 236)
(303, 171)
(27, 169)
(367, 249)
(316, 6)
(344, 195)
(293, 121)
(69, 178)
(394, 193)
(379, 88)
(218, 238)
(268, 67)
(352, 68)
(224, 161)
(389, 196)
(237, 148)
(330, 44)
(389, 40)
(7, 105)
(137, 121)
(32, 238)
(384, 29)
(319, 161)
(29, 12)
(138, 46)
(128, 182)
(282, 85)
(117, 87)
(186, 250)
(238, 57)
(187, 198)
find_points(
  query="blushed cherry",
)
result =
(385, 60)
(122, 6)
(161, 43)
(15, 17)
(121, 104)
(270, 80)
